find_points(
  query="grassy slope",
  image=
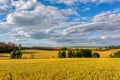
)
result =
(105, 54)
(60, 69)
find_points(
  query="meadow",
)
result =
(60, 69)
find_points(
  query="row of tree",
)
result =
(113, 47)
(80, 53)
(7, 47)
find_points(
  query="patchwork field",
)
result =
(60, 69)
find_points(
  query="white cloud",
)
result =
(3, 1)
(41, 23)
(50, 23)
(4, 8)
(21, 4)
(103, 29)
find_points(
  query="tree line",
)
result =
(7, 47)
(80, 53)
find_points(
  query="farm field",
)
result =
(61, 69)
(38, 54)
(43, 54)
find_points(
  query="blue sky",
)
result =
(60, 22)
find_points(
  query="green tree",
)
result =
(86, 52)
(70, 54)
(78, 53)
(96, 55)
(59, 54)
(63, 54)
(16, 54)
(73, 54)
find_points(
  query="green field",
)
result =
(60, 69)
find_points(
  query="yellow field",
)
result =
(105, 54)
(38, 54)
(60, 69)
(42, 54)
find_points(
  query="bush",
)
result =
(12, 55)
(96, 55)
(16, 54)
(115, 55)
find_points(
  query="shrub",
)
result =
(96, 55)
(12, 55)
(115, 55)
(16, 54)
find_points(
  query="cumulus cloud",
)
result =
(21, 4)
(41, 23)
(51, 24)
(104, 26)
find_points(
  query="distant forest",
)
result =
(8, 47)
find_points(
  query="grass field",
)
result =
(60, 69)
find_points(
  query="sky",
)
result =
(60, 22)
